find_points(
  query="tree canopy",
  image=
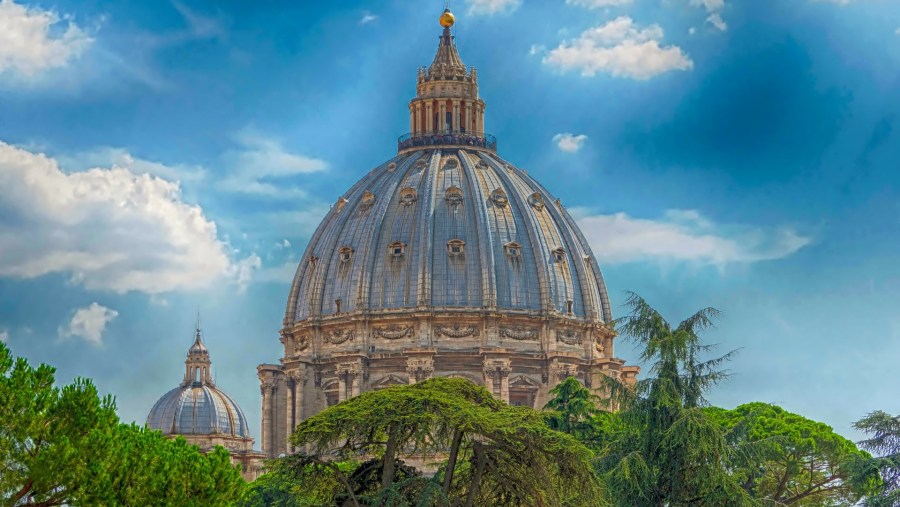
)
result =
(489, 453)
(884, 441)
(66, 446)
(791, 460)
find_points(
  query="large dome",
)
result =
(448, 229)
(444, 261)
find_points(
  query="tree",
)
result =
(65, 446)
(572, 409)
(663, 449)
(491, 453)
(791, 460)
(884, 442)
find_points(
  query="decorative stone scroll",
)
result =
(453, 196)
(495, 368)
(456, 331)
(519, 333)
(569, 336)
(301, 343)
(339, 336)
(393, 332)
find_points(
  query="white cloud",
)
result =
(244, 269)
(107, 229)
(714, 10)
(367, 18)
(489, 7)
(684, 235)
(536, 49)
(261, 165)
(89, 323)
(4, 336)
(569, 143)
(621, 49)
(598, 4)
(31, 42)
(897, 31)
(119, 157)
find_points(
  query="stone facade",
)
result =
(444, 261)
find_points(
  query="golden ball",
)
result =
(447, 19)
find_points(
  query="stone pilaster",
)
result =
(496, 376)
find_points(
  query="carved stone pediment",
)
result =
(456, 330)
(569, 336)
(520, 333)
(393, 332)
(338, 336)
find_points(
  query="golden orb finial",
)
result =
(447, 18)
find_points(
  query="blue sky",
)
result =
(160, 157)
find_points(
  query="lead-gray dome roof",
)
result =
(448, 229)
(198, 409)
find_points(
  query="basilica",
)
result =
(446, 260)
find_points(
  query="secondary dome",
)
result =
(197, 406)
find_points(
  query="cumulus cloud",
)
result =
(621, 49)
(598, 4)
(4, 336)
(714, 10)
(107, 229)
(31, 41)
(120, 157)
(89, 323)
(569, 143)
(367, 18)
(684, 235)
(489, 7)
(262, 166)
(244, 269)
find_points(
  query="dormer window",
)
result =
(312, 261)
(559, 256)
(570, 306)
(453, 196)
(337, 305)
(397, 249)
(451, 164)
(420, 164)
(368, 199)
(392, 167)
(408, 196)
(498, 197)
(345, 254)
(536, 200)
(513, 250)
(456, 247)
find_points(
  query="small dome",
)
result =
(198, 410)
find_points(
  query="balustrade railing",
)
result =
(447, 138)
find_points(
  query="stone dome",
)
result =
(445, 260)
(197, 407)
(448, 229)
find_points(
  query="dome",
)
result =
(448, 229)
(198, 410)
(445, 260)
(197, 407)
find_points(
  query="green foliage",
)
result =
(662, 448)
(496, 454)
(789, 459)
(884, 441)
(66, 446)
(572, 409)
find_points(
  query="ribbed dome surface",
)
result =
(197, 409)
(448, 229)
